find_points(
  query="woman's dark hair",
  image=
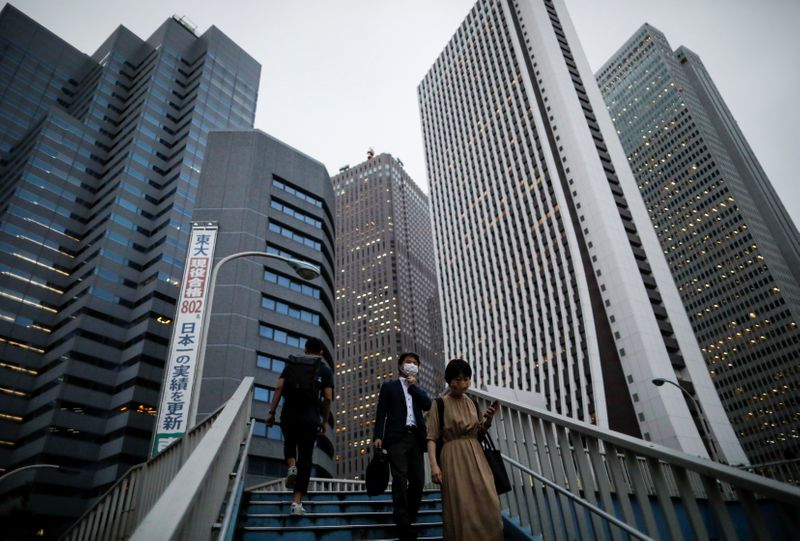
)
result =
(456, 368)
(407, 354)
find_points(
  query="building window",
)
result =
(290, 233)
(289, 283)
(294, 213)
(290, 310)
(297, 192)
(261, 430)
(268, 362)
(263, 394)
(281, 336)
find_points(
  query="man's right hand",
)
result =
(378, 443)
(270, 420)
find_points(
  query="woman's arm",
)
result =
(436, 472)
(434, 430)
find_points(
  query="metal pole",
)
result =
(12, 472)
(701, 412)
(212, 284)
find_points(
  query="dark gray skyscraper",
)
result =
(553, 282)
(100, 162)
(386, 297)
(732, 247)
(265, 196)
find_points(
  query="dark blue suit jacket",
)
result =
(392, 412)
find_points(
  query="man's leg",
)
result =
(307, 437)
(416, 480)
(290, 452)
(398, 461)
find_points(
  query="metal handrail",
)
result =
(618, 473)
(316, 484)
(232, 506)
(190, 505)
(205, 455)
(593, 508)
(115, 514)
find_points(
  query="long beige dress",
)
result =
(470, 506)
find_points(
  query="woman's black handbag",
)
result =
(502, 484)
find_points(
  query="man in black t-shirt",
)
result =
(302, 419)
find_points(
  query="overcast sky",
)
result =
(340, 76)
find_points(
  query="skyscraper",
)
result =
(265, 196)
(732, 247)
(386, 297)
(552, 278)
(101, 157)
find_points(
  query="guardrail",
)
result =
(663, 493)
(178, 493)
(316, 484)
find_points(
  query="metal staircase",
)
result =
(331, 515)
(339, 510)
(570, 481)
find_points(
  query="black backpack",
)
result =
(300, 379)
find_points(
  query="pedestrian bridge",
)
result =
(571, 481)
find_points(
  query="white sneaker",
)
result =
(297, 510)
(291, 477)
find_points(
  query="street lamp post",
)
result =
(30, 467)
(658, 382)
(303, 269)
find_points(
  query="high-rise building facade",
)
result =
(732, 247)
(265, 196)
(101, 157)
(551, 276)
(386, 297)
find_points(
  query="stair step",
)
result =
(335, 519)
(336, 497)
(341, 532)
(355, 506)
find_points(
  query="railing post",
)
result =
(554, 445)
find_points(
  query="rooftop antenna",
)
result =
(186, 22)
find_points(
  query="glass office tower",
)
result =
(732, 248)
(100, 158)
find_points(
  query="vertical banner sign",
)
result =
(179, 376)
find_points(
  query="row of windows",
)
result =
(268, 362)
(303, 217)
(289, 310)
(297, 193)
(281, 336)
(294, 235)
(294, 285)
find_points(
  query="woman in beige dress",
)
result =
(470, 505)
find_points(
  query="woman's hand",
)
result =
(436, 474)
(489, 414)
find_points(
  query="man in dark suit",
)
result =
(400, 428)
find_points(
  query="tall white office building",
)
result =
(552, 279)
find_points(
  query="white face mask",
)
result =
(410, 369)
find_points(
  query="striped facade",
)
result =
(732, 248)
(551, 277)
